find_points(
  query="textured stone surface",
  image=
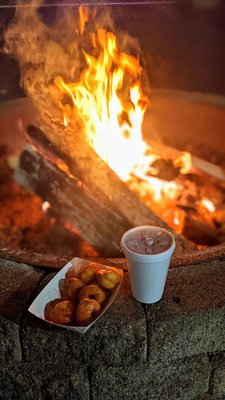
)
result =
(207, 396)
(118, 337)
(38, 381)
(179, 380)
(111, 356)
(48, 343)
(16, 285)
(217, 382)
(190, 319)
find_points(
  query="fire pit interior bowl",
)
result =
(27, 223)
(86, 203)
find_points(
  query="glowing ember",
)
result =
(45, 207)
(178, 220)
(162, 188)
(208, 204)
(184, 162)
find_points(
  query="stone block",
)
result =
(217, 381)
(16, 286)
(38, 381)
(47, 343)
(190, 319)
(176, 380)
(207, 396)
(118, 337)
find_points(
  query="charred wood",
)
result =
(96, 218)
(88, 167)
(100, 220)
(202, 232)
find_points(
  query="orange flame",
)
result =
(184, 162)
(108, 99)
(111, 112)
(84, 16)
(208, 204)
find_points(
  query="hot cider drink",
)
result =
(148, 240)
(148, 250)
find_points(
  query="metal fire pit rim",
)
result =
(54, 262)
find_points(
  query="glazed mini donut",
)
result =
(62, 312)
(71, 273)
(88, 273)
(63, 289)
(108, 278)
(86, 311)
(49, 307)
(92, 292)
(72, 287)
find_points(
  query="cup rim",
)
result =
(145, 256)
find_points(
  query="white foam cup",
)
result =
(147, 272)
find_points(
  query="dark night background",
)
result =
(183, 45)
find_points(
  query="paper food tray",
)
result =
(51, 292)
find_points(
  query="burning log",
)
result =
(97, 220)
(192, 162)
(92, 198)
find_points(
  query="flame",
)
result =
(108, 100)
(45, 207)
(84, 16)
(163, 188)
(208, 204)
(111, 111)
(184, 162)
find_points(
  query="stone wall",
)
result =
(171, 350)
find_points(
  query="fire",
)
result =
(208, 204)
(184, 162)
(45, 207)
(111, 111)
(162, 188)
(83, 14)
(108, 100)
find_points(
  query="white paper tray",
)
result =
(51, 292)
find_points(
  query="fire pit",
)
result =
(61, 164)
(62, 199)
(48, 239)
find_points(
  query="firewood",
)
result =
(165, 170)
(95, 217)
(197, 163)
(89, 168)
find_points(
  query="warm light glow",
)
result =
(83, 14)
(45, 207)
(108, 101)
(178, 220)
(111, 111)
(163, 188)
(184, 162)
(208, 204)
